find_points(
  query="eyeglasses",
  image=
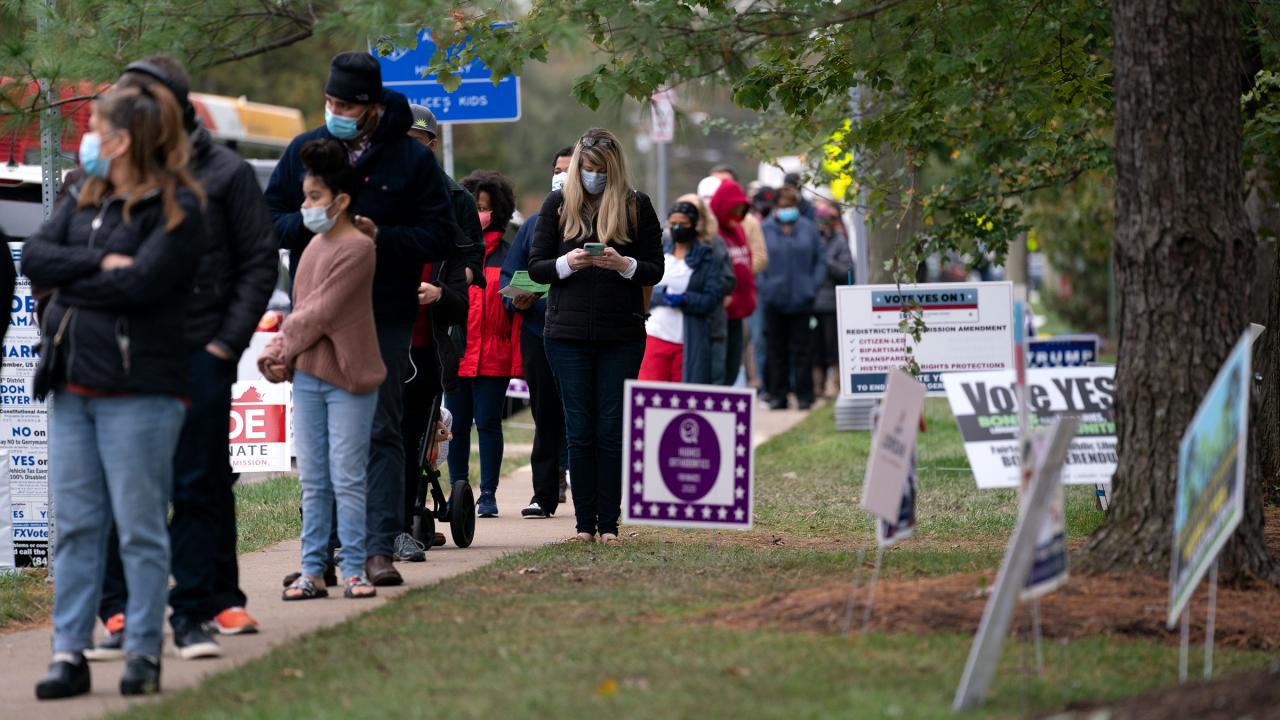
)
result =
(590, 141)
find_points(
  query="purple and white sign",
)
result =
(688, 459)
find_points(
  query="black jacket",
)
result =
(594, 304)
(115, 331)
(8, 276)
(449, 319)
(404, 194)
(467, 223)
(240, 264)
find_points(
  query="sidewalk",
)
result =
(24, 655)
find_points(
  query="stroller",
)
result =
(459, 509)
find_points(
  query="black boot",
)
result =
(68, 676)
(141, 676)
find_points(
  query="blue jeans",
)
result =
(111, 458)
(591, 377)
(478, 399)
(331, 432)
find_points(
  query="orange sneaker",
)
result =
(234, 621)
(112, 646)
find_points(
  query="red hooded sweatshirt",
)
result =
(727, 197)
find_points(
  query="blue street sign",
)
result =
(476, 100)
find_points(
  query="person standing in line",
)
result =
(492, 354)
(434, 355)
(8, 274)
(426, 131)
(120, 256)
(788, 289)
(730, 206)
(328, 348)
(762, 201)
(835, 247)
(693, 287)
(550, 457)
(598, 243)
(404, 206)
(236, 274)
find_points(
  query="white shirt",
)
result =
(666, 322)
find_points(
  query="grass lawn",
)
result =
(627, 632)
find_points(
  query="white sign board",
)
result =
(663, 117)
(687, 457)
(24, 428)
(261, 430)
(986, 409)
(892, 446)
(970, 328)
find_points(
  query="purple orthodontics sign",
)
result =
(688, 459)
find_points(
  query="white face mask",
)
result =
(557, 181)
(317, 219)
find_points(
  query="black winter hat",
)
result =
(355, 77)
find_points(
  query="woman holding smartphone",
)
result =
(598, 243)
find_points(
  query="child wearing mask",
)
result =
(329, 348)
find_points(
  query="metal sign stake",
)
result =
(1037, 635)
(871, 588)
(853, 591)
(1209, 623)
(1184, 645)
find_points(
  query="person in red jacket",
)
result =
(729, 204)
(492, 357)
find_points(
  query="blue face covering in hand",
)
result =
(343, 128)
(787, 214)
(91, 156)
(593, 182)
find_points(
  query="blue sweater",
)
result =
(518, 259)
(797, 266)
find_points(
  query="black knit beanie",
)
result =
(355, 77)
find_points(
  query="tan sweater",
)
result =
(755, 242)
(330, 333)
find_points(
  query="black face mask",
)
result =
(683, 234)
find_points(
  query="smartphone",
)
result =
(594, 249)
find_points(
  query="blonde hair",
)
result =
(707, 226)
(609, 214)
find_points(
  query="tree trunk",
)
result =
(1184, 262)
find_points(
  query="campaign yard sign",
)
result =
(970, 327)
(687, 455)
(24, 430)
(1063, 351)
(1211, 472)
(260, 431)
(985, 406)
(893, 444)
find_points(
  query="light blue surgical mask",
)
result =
(593, 182)
(91, 156)
(343, 128)
(317, 220)
(787, 214)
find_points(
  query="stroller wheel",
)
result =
(462, 514)
(424, 529)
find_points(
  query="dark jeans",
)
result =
(827, 353)
(733, 343)
(591, 377)
(202, 533)
(478, 399)
(384, 509)
(420, 394)
(548, 421)
(788, 367)
(759, 345)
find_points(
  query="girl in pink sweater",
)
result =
(329, 348)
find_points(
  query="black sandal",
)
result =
(307, 590)
(359, 581)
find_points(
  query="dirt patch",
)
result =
(1254, 695)
(1088, 606)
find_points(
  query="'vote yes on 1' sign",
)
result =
(687, 455)
(260, 431)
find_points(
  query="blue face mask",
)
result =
(343, 128)
(593, 182)
(787, 214)
(90, 156)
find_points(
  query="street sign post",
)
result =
(477, 99)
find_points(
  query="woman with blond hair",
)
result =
(598, 243)
(696, 277)
(119, 254)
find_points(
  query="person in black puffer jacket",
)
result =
(594, 332)
(234, 279)
(120, 256)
